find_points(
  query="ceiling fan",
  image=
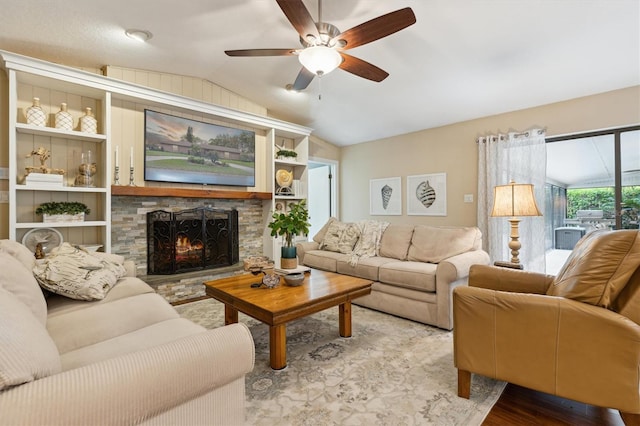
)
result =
(323, 45)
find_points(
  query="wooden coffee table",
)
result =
(277, 306)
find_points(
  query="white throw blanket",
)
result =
(368, 244)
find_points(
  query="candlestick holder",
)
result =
(116, 176)
(131, 183)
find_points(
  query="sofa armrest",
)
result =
(136, 386)
(505, 279)
(456, 267)
(452, 272)
(303, 247)
(551, 344)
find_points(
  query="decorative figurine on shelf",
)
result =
(44, 155)
(86, 170)
(39, 254)
(284, 179)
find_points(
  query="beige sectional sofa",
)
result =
(128, 358)
(414, 268)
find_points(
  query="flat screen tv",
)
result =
(182, 150)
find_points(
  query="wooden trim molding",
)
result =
(154, 191)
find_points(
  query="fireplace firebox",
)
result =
(190, 240)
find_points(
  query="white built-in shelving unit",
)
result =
(54, 84)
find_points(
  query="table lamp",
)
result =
(513, 200)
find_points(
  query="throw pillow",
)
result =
(349, 238)
(331, 239)
(27, 351)
(434, 244)
(19, 281)
(319, 237)
(75, 273)
(599, 267)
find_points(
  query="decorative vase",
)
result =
(64, 120)
(86, 170)
(35, 114)
(88, 122)
(288, 257)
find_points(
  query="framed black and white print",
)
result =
(385, 196)
(427, 194)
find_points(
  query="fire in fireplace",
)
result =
(189, 240)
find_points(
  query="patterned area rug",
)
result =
(391, 372)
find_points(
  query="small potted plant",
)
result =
(62, 211)
(286, 154)
(289, 225)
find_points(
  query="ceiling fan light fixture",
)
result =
(320, 60)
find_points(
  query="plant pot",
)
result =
(52, 218)
(288, 258)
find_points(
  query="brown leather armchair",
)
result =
(576, 335)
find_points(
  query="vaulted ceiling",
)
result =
(463, 59)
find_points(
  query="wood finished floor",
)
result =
(521, 406)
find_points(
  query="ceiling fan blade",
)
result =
(300, 18)
(376, 28)
(261, 52)
(362, 68)
(303, 79)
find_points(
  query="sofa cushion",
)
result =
(414, 275)
(340, 237)
(146, 337)
(27, 352)
(366, 268)
(77, 274)
(18, 251)
(395, 241)
(433, 244)
(325, 260)
(599, 267)
(322, 232)
(19, 281)
(99, 322)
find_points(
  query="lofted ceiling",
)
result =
(463, 59)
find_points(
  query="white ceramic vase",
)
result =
(35, 114)
(64, 120)
(88, 122)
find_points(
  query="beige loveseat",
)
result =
(125, 359)
(414, 268)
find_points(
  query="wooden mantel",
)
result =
(155, 191)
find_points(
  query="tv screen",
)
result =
(182, 150)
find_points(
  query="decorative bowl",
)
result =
(271, 280)
(294, 279)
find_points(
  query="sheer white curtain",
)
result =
(520, 157)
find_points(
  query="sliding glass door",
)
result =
(630, 179)
(593, 182)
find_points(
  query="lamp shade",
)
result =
(514, 199)
(320, 60)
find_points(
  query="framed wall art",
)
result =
(385, 196)
(427, 194)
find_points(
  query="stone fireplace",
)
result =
(129, 238)
(191, 240)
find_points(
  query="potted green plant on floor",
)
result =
(288, 225)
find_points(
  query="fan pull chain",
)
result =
(319, 88)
